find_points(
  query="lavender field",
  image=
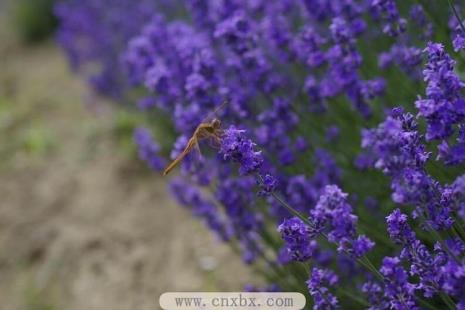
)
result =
(321, 143)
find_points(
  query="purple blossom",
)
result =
(148, 149)
(407, 58)
(275, 62)
(301, 144)
(318, 286)
(93, 32)
(444, 104)
(334, 213)
(237, 200)
(268, 186)
(387, 12)
(375, 296)
(419, 18)
(361, 246)
(298, 239)
(422, 262)
(459, 41)
(398, 290)
(453, 154)
(454, 275)
(398, 228)
(236, 31)
(189, 196)
(396, 149)
(237, 148)
(395, 143)
(332, 133)
(453, 196)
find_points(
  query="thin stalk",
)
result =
(456, 15)
(460, 231)
(427, 304)
(373, 268)
(354, 298)
(448, 301)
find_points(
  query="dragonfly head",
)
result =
(216, 123)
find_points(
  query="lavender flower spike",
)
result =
(237, 148)
(317, 286)
(148, 149)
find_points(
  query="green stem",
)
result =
(448, 301)
(456, 15)
(460, 230)
(354, 298)
(427, 304)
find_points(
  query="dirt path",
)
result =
(82, 225)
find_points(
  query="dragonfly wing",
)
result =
(199, 152)
(218, 108)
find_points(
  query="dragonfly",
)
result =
(205, 130)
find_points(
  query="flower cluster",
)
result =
(93, 32)
(298, 239)
(319, 95)
(334, 214)
(235, 146)
(317, 286)
(398, 290)
(148, 149)
(191, 197)
(396, 148)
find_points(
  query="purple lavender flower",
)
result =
(454, 275)
(453, 154)
(298, 239)
(459, 41)
(268, 186)
(407, 58)
(375, 295)
(387, 11)
(361, 246)
(444, 105)
(320, 280)
(333, 211)
(274, 61)
(398, 290)
(395, 143)
(422, 263)
(189, 196)
(398, 227)
(148, 149)
(453, 196)
(237, 199)
(93, 32)
(332, 133)
(418, 17)
(237, 32)
(301, 144)
(237, 148)
(308, 47)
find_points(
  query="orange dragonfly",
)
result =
(205, 130)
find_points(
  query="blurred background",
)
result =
(83, 223)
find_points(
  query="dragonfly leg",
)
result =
(199, 152)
